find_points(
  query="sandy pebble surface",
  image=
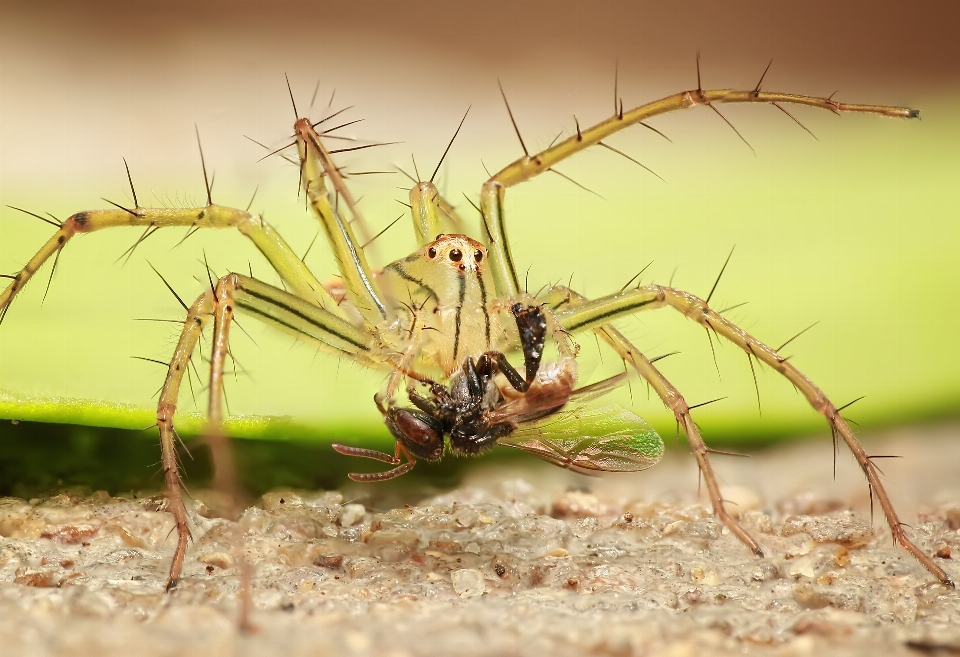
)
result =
(521, 559)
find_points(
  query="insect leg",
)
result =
(529, 166)
(281, 257)
(601, 311)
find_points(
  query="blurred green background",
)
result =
(857, 231)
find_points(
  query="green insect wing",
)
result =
(591, 440)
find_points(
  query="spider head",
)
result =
(455, 253)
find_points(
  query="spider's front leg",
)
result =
(283, 310)
(586, 315)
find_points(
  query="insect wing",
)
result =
(588, 441)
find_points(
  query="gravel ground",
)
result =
(521, 559)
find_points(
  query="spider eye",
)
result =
(432, 252)
(478, 255)
(456, 255)
(438, 237)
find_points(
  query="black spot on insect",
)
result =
(201, 215)
(456, 255)
(500, 570)
(61, 240)
(229, 309)
(478, 255)
(432, 252)
(80, 219)
(197, 321)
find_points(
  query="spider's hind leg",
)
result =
(599, 312)
(672, 399)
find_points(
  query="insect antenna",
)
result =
(447, 150)
(512, 120)
(203, 163)
(53, 222)
(169, 287)
(637, 162)
(780, 348)
(133, 191)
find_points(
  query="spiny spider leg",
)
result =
(599, 312)
(672, 399)
(281, 257)
(277, 307)
(316, 167)
(530, 166)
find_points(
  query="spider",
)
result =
(446, 315)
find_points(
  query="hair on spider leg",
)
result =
(203, 163)
(53, 221)
(513, 121)
(635, 161)
(581, 186)
(126, 255)
(169, 287)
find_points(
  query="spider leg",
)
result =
(316, 169)
(671, 398)
(282, 309)
(287, 264)
(529, 166)
(599, 312)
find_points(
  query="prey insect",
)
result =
(446, 317)
(478, 412)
